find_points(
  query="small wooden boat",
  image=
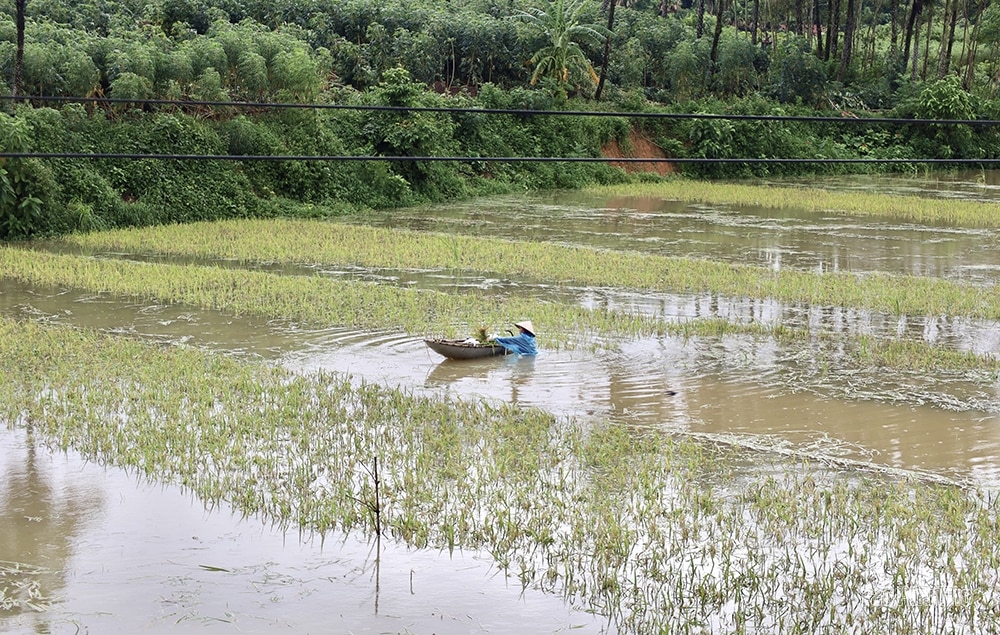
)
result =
(462, 349)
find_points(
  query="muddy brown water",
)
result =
(115, 555)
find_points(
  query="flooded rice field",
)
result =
(78, 533)
(758, 236)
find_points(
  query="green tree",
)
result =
(562, 58)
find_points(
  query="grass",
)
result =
(638, 525)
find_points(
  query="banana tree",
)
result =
(563, 59)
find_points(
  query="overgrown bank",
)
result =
(60, 195)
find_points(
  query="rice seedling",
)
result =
(322, 301)
(327, 243)
(910, 208)
(644, 527)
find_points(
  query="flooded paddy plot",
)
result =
(883, 305)
(765, 237)
(736, 388)
(643, 527)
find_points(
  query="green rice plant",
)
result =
(325, 243)
(910, 208)
(323, 301)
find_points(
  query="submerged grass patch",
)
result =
(911, 208)
(331, 243)
(641, 526)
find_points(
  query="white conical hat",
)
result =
(526, 325)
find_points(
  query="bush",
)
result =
(26, 186)
(942, 99)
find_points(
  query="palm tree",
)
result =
(563, 58)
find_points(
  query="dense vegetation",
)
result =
(900, 60)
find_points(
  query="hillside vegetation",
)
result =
(173, 67)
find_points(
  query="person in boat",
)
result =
(521, 344)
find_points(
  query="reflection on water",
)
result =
(119, 558)
(42, 515)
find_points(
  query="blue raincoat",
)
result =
(522, 344)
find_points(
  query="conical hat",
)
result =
(526, 325)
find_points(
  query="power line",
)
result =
(470, 159)
(246, 105)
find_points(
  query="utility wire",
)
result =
(459, 159)
(246, 105)
(487, 111)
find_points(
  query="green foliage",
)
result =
(388, 53)
(128, 85)
(56, 69)
(179, 14)
(710, 139)
(414, 133)
(943, 99)
(24, 184)
(799, 76)
(688, 70)
(562, 57)
(740, 67)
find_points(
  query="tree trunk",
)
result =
(818, 27)
(968, 55)
(700, 30)
(868, 52)
(607, 50)
(832, 31)
(916, 51)
(845, 56)
(714, 55)
(19, 50)
(915, 9)
(894, 28)
(970, 60)
(927, 43)
(799, 20)
(949, 41)
(756, 18)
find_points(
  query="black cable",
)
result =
(497, 111)
(238, 157)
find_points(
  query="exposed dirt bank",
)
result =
(641, 147)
